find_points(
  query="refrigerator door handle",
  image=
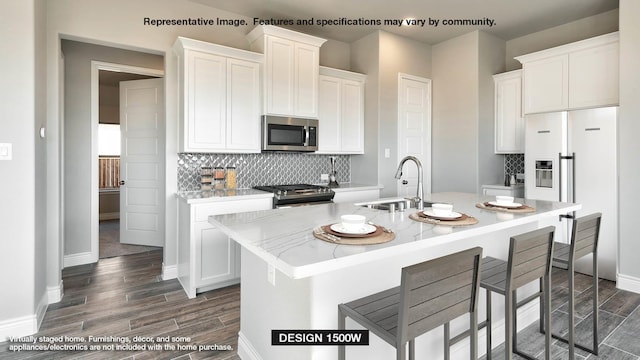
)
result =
(573, 181)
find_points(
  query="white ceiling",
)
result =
(513, 18)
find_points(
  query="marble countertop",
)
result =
(498, 186)
(208, 196)
(283, 237)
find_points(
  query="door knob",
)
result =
(404, 182)
(121, 182)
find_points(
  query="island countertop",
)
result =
(284, 239)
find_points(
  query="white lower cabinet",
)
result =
(207, 258)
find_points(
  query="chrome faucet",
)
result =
(419, 193)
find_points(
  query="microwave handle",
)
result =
(306, 136)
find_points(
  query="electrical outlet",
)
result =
(324, 177)
(387, 153)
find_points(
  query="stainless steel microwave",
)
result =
(289, 134)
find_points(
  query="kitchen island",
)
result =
(291, 280)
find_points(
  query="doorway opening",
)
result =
(109, 140)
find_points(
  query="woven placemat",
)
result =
(519, 210)
(465, 220)
(378, 237)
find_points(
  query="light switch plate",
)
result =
(387, 153)
(324, 177)
(271, 275)
(6, 152)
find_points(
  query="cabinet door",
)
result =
(216, 260)
(306, 67)
(279, 82)
(352, 117)
(243, 106)
(546, 85)
(594, 77)
(329, 114)
(206, 102)
(508, 115)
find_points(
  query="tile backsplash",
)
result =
(263, 169)
(514, 164)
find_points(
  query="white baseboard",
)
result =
(628, 283)
(24, 325)
(169, 272)
(245, 349)
(20, 326)
(78, 259)
(109, 216)
(54, 293)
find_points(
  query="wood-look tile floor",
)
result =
(619, 322)
(126, 297)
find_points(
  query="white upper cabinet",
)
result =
(578, 75)
(509, 120)
(594, 76)
(291, 69)
(341, 112)
(219, 89)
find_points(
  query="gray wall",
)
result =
(628, 132)
(600, 24)
(382, 56)
(23, 191)
(77, 133)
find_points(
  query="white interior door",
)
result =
(414, 131)
(142, 162)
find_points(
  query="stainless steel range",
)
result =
(298, 194)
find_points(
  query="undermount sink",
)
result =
(385, 204)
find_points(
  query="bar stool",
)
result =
(431, 293)
(584, 240)
(529, 259)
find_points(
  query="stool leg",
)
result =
(541, 308)
(412, 349)
(447, 344)
(401, 351)
(473, 325)
(595, 303)
(341, 326)
(488, 324)
(571, 333)
(547, 311)
(514, 317)
(508, 324)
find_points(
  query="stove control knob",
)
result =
(284, 192)
(279, 192)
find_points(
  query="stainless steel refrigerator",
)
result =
(572, 156)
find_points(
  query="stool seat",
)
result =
(431, 294)
(494, 274)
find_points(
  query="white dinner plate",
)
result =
(364, 229)
(511, 205)
(452, 216)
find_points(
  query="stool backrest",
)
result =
(584, 235)
(437, 291)
(530, 256)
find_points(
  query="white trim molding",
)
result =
(78, 259)
(245, 349)
(628, 283)
(169, 272)
(54, 293)
(24, 325)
